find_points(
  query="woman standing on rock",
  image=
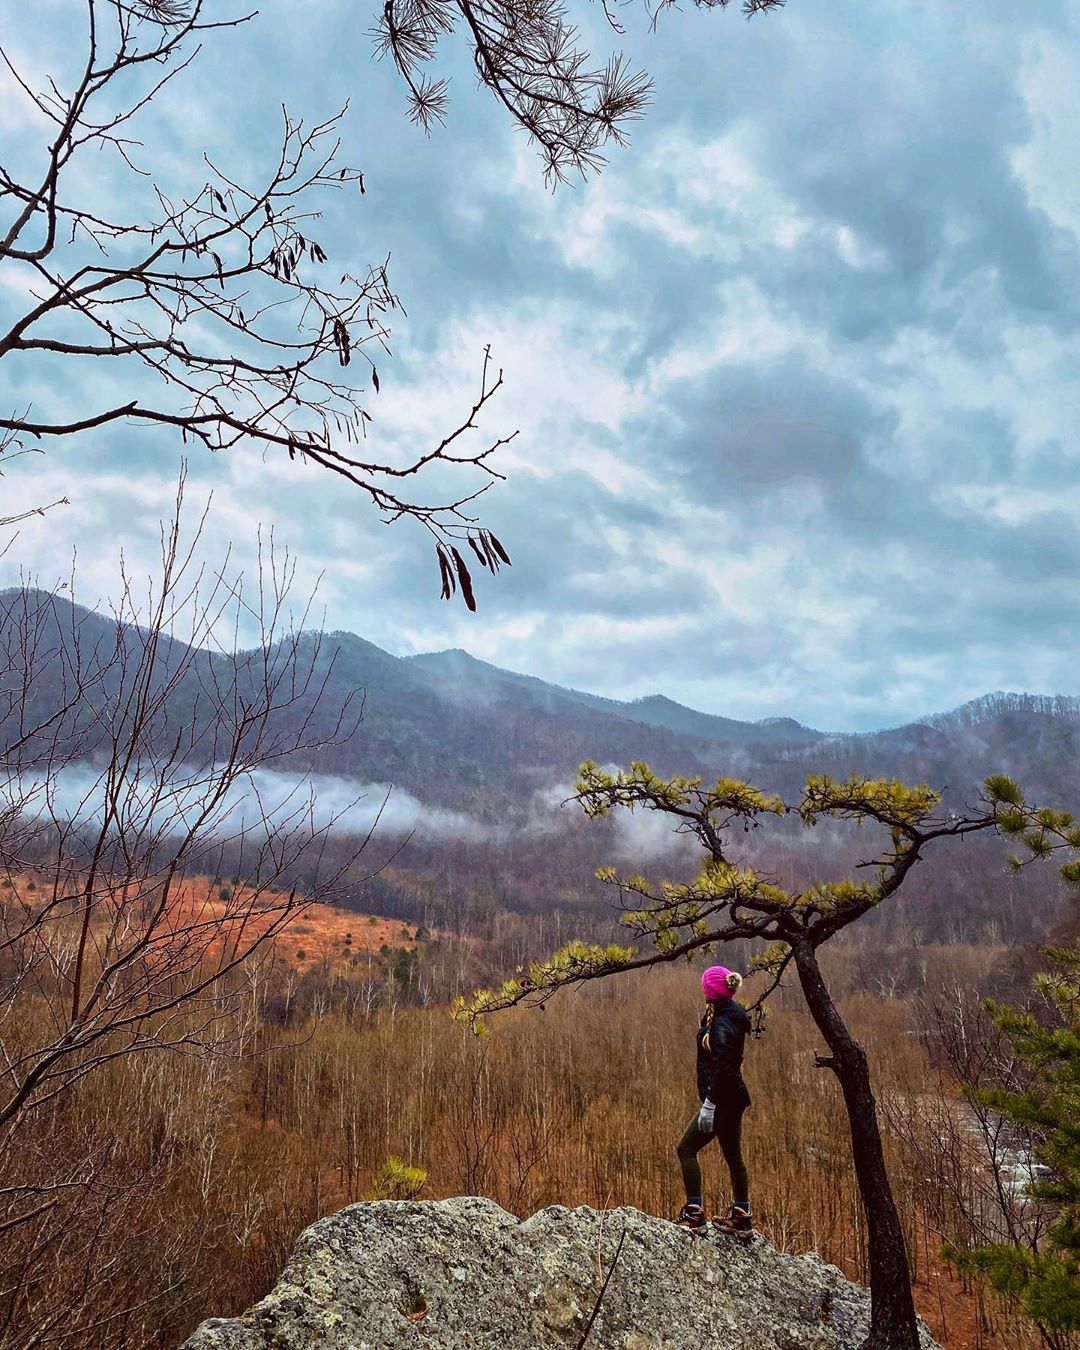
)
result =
(720, 1041)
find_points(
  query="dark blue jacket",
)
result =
(719, 1067)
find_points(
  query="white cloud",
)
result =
(262, 800)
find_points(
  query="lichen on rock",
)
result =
(465, 1273)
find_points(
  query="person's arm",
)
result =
(722, 1037)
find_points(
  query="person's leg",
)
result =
(729, 1137)
(689, 1146)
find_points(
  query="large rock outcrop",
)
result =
(464, 1273)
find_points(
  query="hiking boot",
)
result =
(737, 1222)
(693, 1218)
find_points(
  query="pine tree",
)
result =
(1045, 1282)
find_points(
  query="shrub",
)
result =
(395, 1180)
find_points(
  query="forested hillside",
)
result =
(480, 760)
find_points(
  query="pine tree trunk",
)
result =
(893, 1325)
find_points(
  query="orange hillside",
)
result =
(317, 934)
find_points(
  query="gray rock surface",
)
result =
(463, 1272)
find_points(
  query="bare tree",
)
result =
(975, 1155)
(983, 1168)
(131, 757)
(530, 58)
(214, 302)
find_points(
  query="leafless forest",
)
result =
(205, 1168)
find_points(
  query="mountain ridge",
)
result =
(453, 729)
(442, 668)
(497, 749)
(980, 708)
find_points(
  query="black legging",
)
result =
(728, 1134)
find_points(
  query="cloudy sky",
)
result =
(795, 377)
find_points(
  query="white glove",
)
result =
(706, 1116)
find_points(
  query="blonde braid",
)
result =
(710, 1013)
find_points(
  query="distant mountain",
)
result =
(500, 749)
(456, 730)
(443, 726)
(481, 681)
(658, 711)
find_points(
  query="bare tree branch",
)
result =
(217, 303)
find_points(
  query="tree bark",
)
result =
(893, 1324)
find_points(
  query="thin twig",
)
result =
(603, 1291)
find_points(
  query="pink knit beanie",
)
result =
(719, 982)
